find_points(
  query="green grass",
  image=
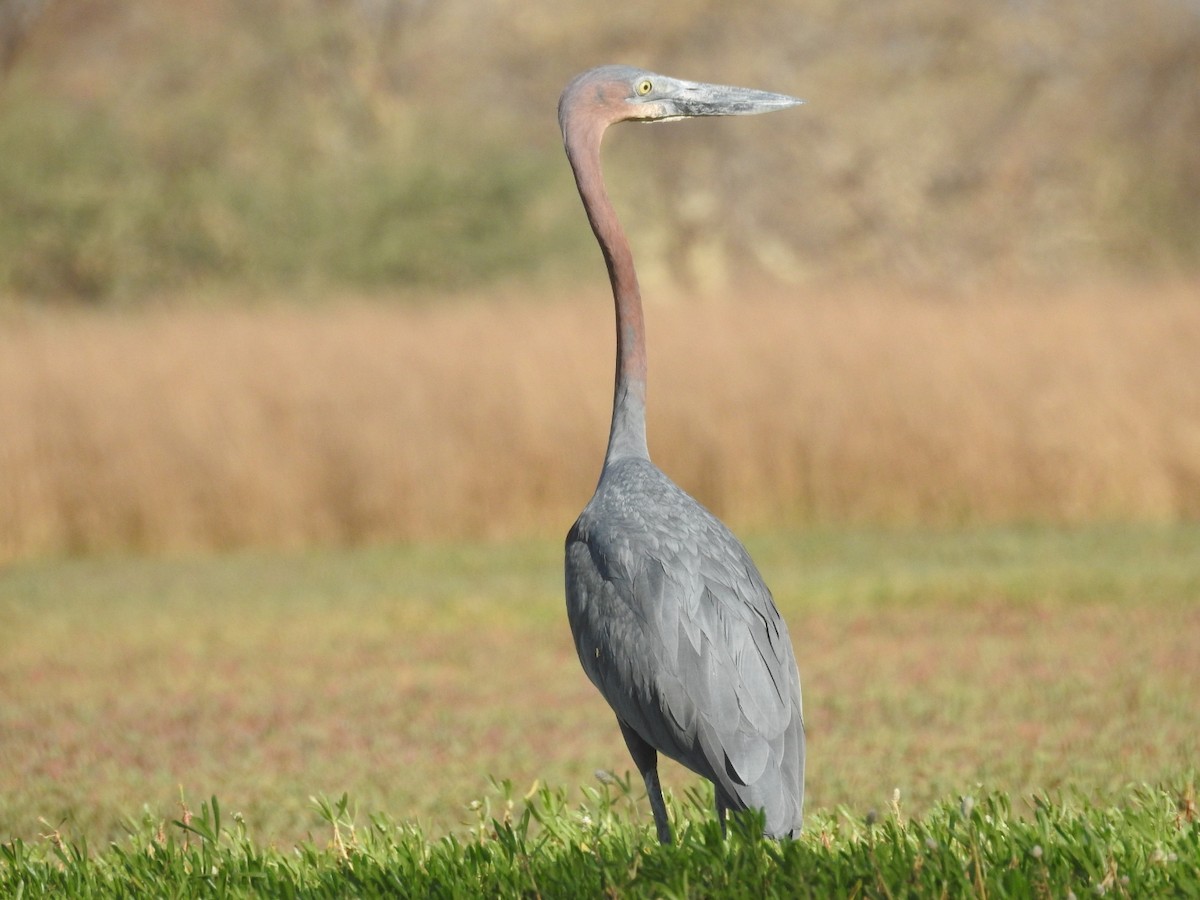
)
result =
(999, 662)
(543, 846)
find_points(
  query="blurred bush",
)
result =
(148, 147)
(144, 149)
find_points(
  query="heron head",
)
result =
(625, 93)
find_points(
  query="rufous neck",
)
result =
(627, 434)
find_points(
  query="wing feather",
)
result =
(676, 628)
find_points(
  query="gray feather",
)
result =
(675, 627)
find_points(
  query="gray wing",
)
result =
(675, 627)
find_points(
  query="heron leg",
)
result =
(645, 758)
(722, 806)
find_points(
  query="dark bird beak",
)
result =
(690, 98)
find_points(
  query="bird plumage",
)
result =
(671, 619)
(675, 627)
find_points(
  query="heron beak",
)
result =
(695, 99)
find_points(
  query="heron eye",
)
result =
(644, 87)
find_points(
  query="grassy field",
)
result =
(266, 425)
(295, 407)
(1023, 660)
(543, 847)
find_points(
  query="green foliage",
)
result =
(94, 210)
(540, 845)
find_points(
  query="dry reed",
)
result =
(213, 428)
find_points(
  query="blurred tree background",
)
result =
(157, 148)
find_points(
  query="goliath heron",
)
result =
(671, 619)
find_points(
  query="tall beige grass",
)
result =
(210, 428)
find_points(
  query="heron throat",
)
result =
(627, 433)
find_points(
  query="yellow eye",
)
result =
(644, 87)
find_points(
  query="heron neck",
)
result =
(627, 434)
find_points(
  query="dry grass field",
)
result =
(281, 426)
